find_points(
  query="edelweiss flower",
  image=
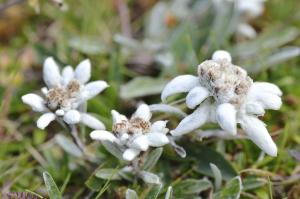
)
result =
(248, 10)
(227, 96)
(64, 94)
(135, 134)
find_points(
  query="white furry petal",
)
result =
(255, 108)
(196, 96)
(159, 126)
(117, 117)
(221, 55)
(269, 101)
(143, 111)
(36, 102)
(45, 120)
(67, 75)
(92, 89)
(226, 117)
(102, 135)
(51, 73)
(245, 30)
(192, 121)
(157, 139)
(91, 121)
(140, 143)
(266, 87)
(83, 71)
(258, 133)
(130, 154)
(182, 83)
(72, 117)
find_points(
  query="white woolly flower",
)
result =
(248, 10)
(223, 93)
(136, 134)
(66, 91)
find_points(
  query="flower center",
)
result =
(133, 126)
(62, 97)
(226, 82)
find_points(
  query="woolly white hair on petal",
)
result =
(36, 102)
(67, 75)
(72, 117)
(258, 133)
(180, 84)
(92, 89)
(143, 112)
(159, 126)
(226, 117)
(255, 108)
(51, 73)
(193, 121)
(45, 120)
(140, 143)
(266, 87)
(117, 117)
(130, 154)
(245, 30)
(157, 139)
(59, 112)
(102, 135)
(220, 55)
(196, 96)
(83, 71)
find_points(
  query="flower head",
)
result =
(135, 134)
(225, 94)
(65, 93)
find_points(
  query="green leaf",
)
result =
(152, 159)
(68, 146)
(108, 174)
(191, 186)
(232, 190)
(142, 86)
(131, 194)
(52, 188)
(251, 183)
(153, 192)
(204, 155)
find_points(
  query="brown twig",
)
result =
(124, 17)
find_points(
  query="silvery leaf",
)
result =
(150, 178)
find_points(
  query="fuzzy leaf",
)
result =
(52, 188)
(68, 146)
(131, 194)
(167, 109)
(205, 155)
(153, 192)
(190, 186)
(150, 178)
(113, 149)
(142, 86)
(108, 174)
(152, 159)
(232, 189)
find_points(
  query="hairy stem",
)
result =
(74, 133)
